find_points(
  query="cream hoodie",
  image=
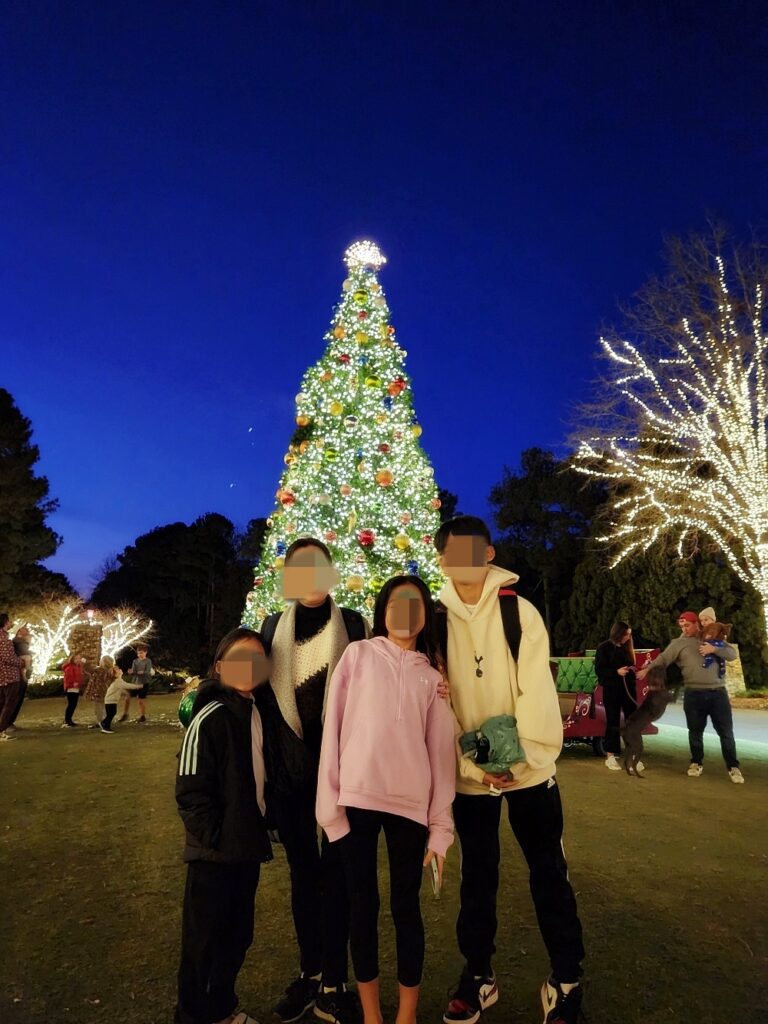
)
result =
(527, 692)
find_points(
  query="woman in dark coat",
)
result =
(615, 670)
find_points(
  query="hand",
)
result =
(444, 689)
(623, 670)
(431, 855)
(501, 782)
(642, 673)
(707, 649)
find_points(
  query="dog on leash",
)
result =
(653, 707)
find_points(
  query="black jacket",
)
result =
(608, 659)
(215, 784)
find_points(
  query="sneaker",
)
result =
(339, 1006)
(612, 763)
(123, 718)
(736, 775)
(141, 719)
(473, 994)
(695, 770)
(12, 729)
(6, 736)
(105, 729)
(560, 1007)
(640, 767)
(299, 997)
(68, 725)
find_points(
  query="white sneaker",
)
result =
(736, 775)
(612, 763)
(639, 767)
(695, 770)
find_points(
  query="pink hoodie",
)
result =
(388, 742)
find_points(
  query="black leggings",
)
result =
(617, 697)
(110, 710)
(72, 699)
(406, 843)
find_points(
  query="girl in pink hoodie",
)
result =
(388, 761)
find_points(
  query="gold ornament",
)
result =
(346, 284)
(416, 430)
(336, 408)
(352, 521)
(302, 421)
(361, 338)
(402, 542)
(339, 332)
(289, 459)
(355, 584)
(279, 562)
(381, 417)
(345, 490)
(326, 376)
(384, 478)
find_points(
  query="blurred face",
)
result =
(689, 628)
(308, 576)
(142, 652)
(465, 559)
(627, 636)
(706, 620)
(244, 667)
(405, 615)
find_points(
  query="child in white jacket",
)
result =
(388, 762)
(118, 688)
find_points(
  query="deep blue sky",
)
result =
(178, 182)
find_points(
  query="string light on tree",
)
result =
(355, 466)
(684, 447)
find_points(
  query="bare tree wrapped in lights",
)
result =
(681, 432)
(355, 473)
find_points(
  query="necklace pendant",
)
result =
(479, 673)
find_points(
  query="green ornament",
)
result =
(330, 454)
(360, 295)
(185, 707)
(373, 382)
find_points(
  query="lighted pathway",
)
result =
(747, 725)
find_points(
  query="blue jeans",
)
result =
(700, 704)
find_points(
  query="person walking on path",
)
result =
(220, 793)
(388, 764)
(497, 652)
(21, 644)
(705, 694)
(11, 683)
(73, 686)
(305, 643)
(615, 671)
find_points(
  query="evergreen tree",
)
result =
(356, 476)
(25, 538)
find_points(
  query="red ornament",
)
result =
(367, 538)
(396, 387)
(384, 448)
(362, 315)
(427, 538)
(390, 331)
(436, 503)
(344, 358)
(287, 498)
(258, 581)
(330, 536)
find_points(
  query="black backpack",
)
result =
(510, 617)
(353, 622)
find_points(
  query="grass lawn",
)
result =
(670, 874)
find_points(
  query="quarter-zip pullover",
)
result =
(388, 742)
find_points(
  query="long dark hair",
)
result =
(426, 639)
(618, 629)
(228, 642)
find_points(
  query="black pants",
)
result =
(110, 710)
(536, 817)
(319, 901)
(72, 699)
(9, 698)
(715, 704)
(216, 932)
(20, 701)
(406, 846)
(616, 699)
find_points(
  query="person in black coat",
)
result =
(220, 795)
(615, 670)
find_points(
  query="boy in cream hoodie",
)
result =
(486, 680)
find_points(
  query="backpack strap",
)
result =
(510, 617)
(354, 624)
(441, 629)
(268, 628)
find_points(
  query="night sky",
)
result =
(178, 183)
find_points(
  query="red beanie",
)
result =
(688, 616)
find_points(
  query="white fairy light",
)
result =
(364, 254)
(124, 630)
(698, 460)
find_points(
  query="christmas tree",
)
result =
(356, 476)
